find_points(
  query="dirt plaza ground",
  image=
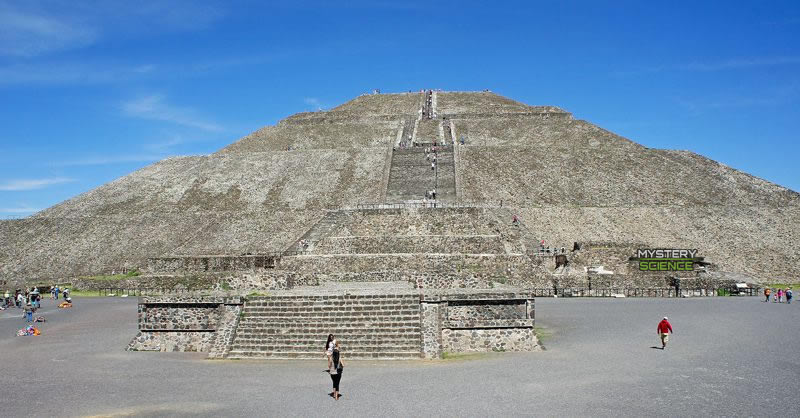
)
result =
(729, 357)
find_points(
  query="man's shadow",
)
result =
(657, 347)
(331, 394)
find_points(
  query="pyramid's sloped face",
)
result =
(563, 162)
(374, 121)
(470, 103)
(403, 104)
(569, 180)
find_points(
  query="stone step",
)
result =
(276, 298)
(377, 308)
(305, 336)
(293, 348)
(333, 311)
(328, 326)
(297, 331)
(328, 320)
(303, 345)
(335, 302)
(384, 355)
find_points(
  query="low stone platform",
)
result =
(371, 323)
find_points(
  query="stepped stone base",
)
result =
(369, 324)
(171, 323)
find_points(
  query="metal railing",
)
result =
(149, 291)
(541, 292)
(422, 205)
(645, 292)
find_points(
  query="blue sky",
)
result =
(91, 91)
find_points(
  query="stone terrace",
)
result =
(514, 130)
(455, 103)
(322, 135)
(436, 231)
(383, 104)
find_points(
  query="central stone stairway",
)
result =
(368, 326)
(320, 230)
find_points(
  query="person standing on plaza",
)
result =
(789, 295)
(780, 295)
(663, 329)
(329, 349)
(767, 292)
(28, 312)
(337, 366)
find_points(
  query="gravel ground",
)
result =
(729, 356)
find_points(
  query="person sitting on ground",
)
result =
(66, 304)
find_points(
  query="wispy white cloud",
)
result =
(20, 210)
(166, 145)
(155, 107)
(763, 99)
(109, 159)
(710, 66)
(313, 102)
(31, 28)
(71, 72)
(739, 63)
(26, 34)
(32, 184)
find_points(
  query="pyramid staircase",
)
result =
(320, 230)
(377, 326)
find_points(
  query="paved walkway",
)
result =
(729, 356)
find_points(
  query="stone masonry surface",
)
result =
(392, 325)
(568, 180)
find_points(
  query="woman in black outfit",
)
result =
(336, 369)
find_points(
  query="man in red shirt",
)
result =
(663, 329)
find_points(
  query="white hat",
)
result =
(665, 317)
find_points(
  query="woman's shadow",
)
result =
(340, 394)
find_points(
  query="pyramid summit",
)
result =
(348, 194)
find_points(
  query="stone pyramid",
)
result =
(567, 180)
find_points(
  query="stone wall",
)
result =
(490, 264)
(483, 244)
(243, 281)
(489, 339)
(477, 322)
(202, 264)
(203, 324)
